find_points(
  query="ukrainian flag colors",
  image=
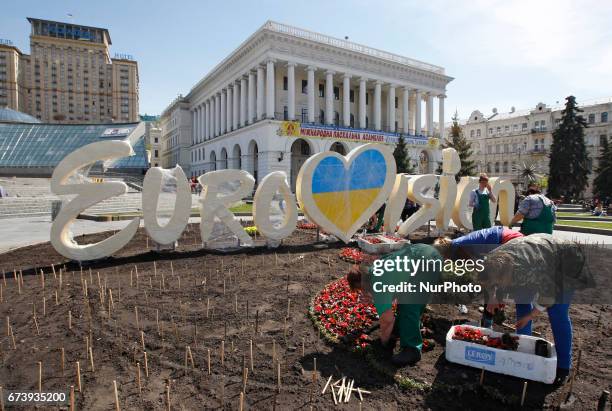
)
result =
(343, 195)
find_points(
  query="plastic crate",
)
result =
(522, 363)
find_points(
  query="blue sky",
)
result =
(501, 53)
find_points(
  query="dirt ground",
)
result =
(256, 295)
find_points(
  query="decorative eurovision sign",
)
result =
(297, 129)
(338, 193)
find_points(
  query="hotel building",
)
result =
(69, 76)
(287, 93)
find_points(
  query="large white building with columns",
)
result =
(287, 93)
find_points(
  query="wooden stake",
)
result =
(8, 326)
(245, 376)
(44, 306)
(256, 321)
(303, 347)
(36, 324)
(207, 306)
(142, 340)
(524, 392)
(278, 373)
(138, 378)
(78, 376)
(190, 357)
(157, 321)
(69, 320)
(251, 353)
(39, 376)
(326, 385)
(72, 398)
(236, 303)
(482, 375)
(168, 396)
(288, 307)
(241, 408)
(136, 314)
(117, 407)
(222, 352)
(62, 360)
(209, 362)
(13, 339)
(56, 298)
(91, 360)
(146, 365)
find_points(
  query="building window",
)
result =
(352, 120)
(478, 133)
(591, 118)
(472, 133)
(602, 139)
(336, 118)
(488, 167)
(498, 130)
(497, 149)
(336, 93)
(505, 166)
(524, 126)
(491, 131)
(304, 86)
(367, 122)
(367, 98)
(321, 117)
(506, 148)
(285, 83)
(304, 114)
(506, 129)
(489, 149)
(352, 97)
(497, 167)
(285, 113)
(515, 128)
(604, 117)
(321, 90)
(396, 102)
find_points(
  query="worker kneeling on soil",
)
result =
(540, 273)
(406, 320)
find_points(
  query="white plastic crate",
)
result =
(386, 245)
(522, 363)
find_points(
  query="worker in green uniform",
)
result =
(537, 212)
(376, 282)
(479, 201)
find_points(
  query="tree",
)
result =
(402, 161)
(602, 185)
(463, 148)
(568, 165)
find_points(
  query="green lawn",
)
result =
(591, 224)
(568, 214)
(242, 208)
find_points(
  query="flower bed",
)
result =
(340, 312)
(356, 256)
(306, 226)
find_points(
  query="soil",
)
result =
(272, 289)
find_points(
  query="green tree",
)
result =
(462, 146)
(568, 166)
(602, 185)
(402, 161)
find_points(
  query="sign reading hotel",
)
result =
(338, 193)
(297, 129)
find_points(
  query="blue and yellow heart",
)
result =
(342, 194)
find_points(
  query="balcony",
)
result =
(538, 151)
(539, 130)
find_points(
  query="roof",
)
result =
(32, 19)
(8, 115)
(45, 145)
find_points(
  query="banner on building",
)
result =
(297, 129)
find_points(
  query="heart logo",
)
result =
(341, 193)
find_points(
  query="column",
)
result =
(346, 100)
(377, 93)
(405, 112)
(391, 108)
(243, 102)
(362, 102)
(270, 94)
(194, 127)
(213, 116)
(291, 90)
(203, 118)
(207, 116)
(218, 114)
(429, 114)
(223, 112)
(417, 112)
(311, 94)
(441, 114)
(329, 97)
(230, 107)
(251, 98)
(260, 92)
(236, 106)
